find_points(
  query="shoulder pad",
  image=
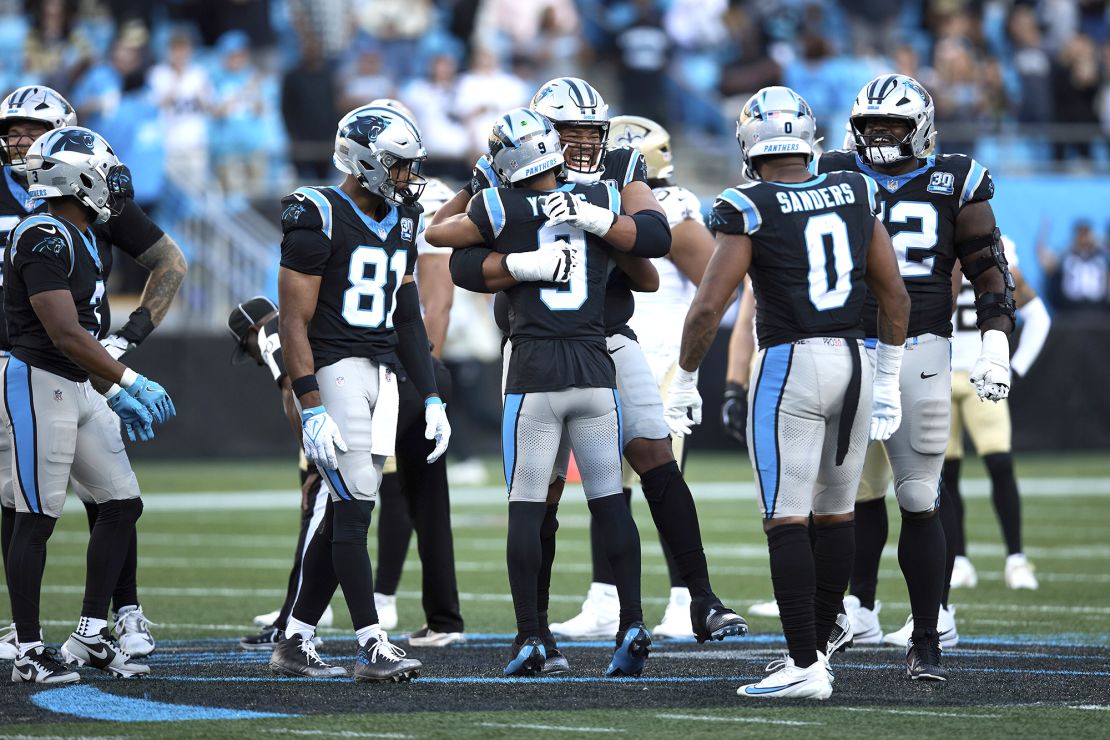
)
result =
(483, 175)
(837, 159)
(42, 234)
(972, 182)
(733, 203)
(625, 164)
(306, 208)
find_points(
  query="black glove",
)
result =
(119, 182)
(734, 412)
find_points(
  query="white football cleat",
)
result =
(600, 615)
(267, 619)
(764, 609)
(946, 629)
(788, 681)
(676, 622)
(133, 632)
(327, 619)
(428, 637)
(866, 629)
(963, 573)
(9, 645)
(99, 651)
(386, 604)
(1019, 573)
(839, 638)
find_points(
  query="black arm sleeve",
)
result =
(653, 234)
(412, 341)
(466, 269)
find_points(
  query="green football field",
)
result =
(216, 544)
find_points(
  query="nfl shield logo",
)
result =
(892, 185)
(406, 229)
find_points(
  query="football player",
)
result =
(811, 244)
(936, 209)
(57, 423)
(989, 427)
(25, 114)
(580, 115)
(560, 380)
(350, 317)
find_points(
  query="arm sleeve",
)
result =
(1033, 334)
(132, 230)
(269, 344)
(466, 268)
(412, 341)
(734, 213)
(653, 235)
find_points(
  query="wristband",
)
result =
(888, 358)
(112, 391)
(314, 411)
(305, 384)
(129, 377)
(433, 401)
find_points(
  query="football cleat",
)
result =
(555, 663)
(840, 637)
(9, 644)
(676, 622)
(765, 609)
(133, 632)
(100, 651)
(633, 646)
(788, 681)
(268, 638)
(923, 658)
(866, 629)
(712, 620)
(428, 637)
(386, 605)
(963, 574)
(600, 615)
(327, 619)
(296, 656)
(529, 658)
(1019, 573)
(380, 661)
(40, 665)
(946, 628)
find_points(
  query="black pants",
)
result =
(417, 497)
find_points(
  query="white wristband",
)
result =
(888, 358)
(996, 347)
(129, 377)
(112, 391)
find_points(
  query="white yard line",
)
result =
(920, 713)
(547, 728)
(748, 720)
(334, 733)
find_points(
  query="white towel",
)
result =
(383, 427)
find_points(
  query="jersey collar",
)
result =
(18, 191)
(380, 228)
(804, 184)
(893, 182)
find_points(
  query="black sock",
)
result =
(1004, 496)
(871, 534)
(7, 526)
(673, 573)
(950, 524)
(950, 477)
(602, 571)
(26, 562)
(548, 529)
(676, 518)
(622, 546)
(115, 523)
(794, 578)
(318, 580)
(351, 561)
(833, 554)
(524, 555)
(921, 556)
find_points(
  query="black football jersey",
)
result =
(558, 331)
(47, 253)
(361, 263)
(919, 210)
(809, 252)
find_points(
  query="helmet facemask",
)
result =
(883, 148)
(403, 182)
(13, 147)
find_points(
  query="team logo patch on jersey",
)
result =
(292, 213)
(406, 229)
(51, 244)
(942, 183)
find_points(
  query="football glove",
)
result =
(320, 436)
(154, 397)
(734, 412)
(554, 262)
(563, 208)
(991, 372)
(136, 419)
(120, 184)
(886, 395)
(683, 410)
(436, 426)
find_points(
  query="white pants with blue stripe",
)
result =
(795, 405)
(349, 392)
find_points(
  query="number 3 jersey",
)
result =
(809, 252)
(557, 331)
(361, 263)
(919, 210)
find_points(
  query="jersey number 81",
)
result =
(372, 288)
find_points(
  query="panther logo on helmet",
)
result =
(74, 140)
(366, 129)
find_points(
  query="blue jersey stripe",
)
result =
(322, 204)
(630, 170)
(614, 198)
(509, 420)
(620, 420)
(744, 204)
(974, 180)
(872, 193)
(495, 209)
(484, 166)
(17, 397)
(765, 417)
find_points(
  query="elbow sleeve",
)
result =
(653, 234)
(466, 269)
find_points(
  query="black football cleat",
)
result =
(712, 620)
(923, 658)
(380, 661)
(296, 656)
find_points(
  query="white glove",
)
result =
(683, 410)
(991, 372)
(436, 426)
(116, 345)
(562, 207)
(886, 396)
(554, 263)
(321, 437)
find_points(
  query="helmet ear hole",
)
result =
(86, 180)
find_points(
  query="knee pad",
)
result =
(361, 474)
(916, 497)
(929, 419)
(351, 522)
(656, 480)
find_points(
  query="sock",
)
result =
(921, 556)
(602, 571)
(120, 611)
(795, 581)
(1004, 496)
(351, 561)
(26, 647)
(622, 546)
(950, 476)
(949, 523)
(114, 523)
(548, 529)
(89, 626)
(296, 627)
(871, 534)
(318, 580)
(676, 518)
(367, 633)
(833, 554)
(7, 526)
(523, 551)
(672, 567)
(26, 561)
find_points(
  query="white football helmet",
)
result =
(775, 121)
(573, 102)
(894, 96)
(31, 103)
(524, 144)
(653, 141)
(396, 105)
(371, 141)
(73, 161)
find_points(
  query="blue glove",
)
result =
(154, 398)
(136, 419)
